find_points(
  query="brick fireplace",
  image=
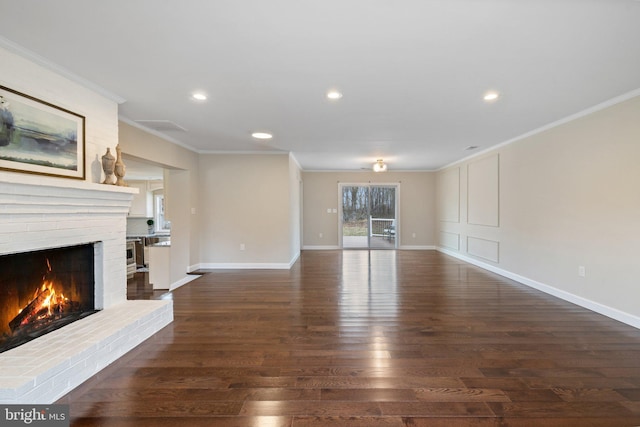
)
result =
(38, 213)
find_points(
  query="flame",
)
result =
(54, 299)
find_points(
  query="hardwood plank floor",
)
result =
(370, 338)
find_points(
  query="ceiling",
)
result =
(412, 72)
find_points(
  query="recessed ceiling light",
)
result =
(261, 135)
(334, 94)
(491, 96)
(199, 96)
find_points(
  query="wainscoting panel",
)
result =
(449, 188)
(482, 248)
(450, 240)
(483, 202)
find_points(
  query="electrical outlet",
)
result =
(581, 271)
(242, 246)
(320, 234)
(413, 235)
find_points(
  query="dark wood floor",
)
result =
(369, 339)
(138, 287)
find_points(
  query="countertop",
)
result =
(147, 236)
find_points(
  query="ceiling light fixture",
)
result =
(334, 94)
(491, 96)
(198, 96)
(379, 166)
(261, 135)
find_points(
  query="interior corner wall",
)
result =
(539, 209)
(417, 206)
(181, 191)
(245, 208)
(101, 114)
(295, 210)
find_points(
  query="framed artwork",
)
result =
(40, 138)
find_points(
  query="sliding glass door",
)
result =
(368, 216)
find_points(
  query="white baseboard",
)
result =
(320, 248)
(182, 282)
(403, 247)
(245, 266)
(294, 259)
(605, 310)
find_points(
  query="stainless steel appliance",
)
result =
(140, 256)
(131, 258)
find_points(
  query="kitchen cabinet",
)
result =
(159, 262)
(142, 203)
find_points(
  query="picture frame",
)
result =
(37, 137)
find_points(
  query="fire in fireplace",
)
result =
(41, 291)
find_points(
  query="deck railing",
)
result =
(377, 226)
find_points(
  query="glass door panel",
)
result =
(355, 217)
(382, 202)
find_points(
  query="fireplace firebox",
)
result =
(44, 290)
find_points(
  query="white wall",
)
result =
(417, 206)
(541, 207)
(177, 196)
(218, 201)
(295, 208)
(101, 113)
(246, 199)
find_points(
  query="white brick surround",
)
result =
(42, 212)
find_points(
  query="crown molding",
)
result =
(58, 69)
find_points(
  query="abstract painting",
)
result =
(40, 138)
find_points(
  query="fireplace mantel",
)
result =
(44, 191)
(39, 212)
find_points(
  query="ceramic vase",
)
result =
(120, 168)
(108, 166)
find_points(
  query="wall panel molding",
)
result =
(450, 194)
(450, 240)
(483, 248)
(483, 191)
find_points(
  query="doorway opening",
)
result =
(369, 216)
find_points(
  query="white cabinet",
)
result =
(142, 203)
(159, 262)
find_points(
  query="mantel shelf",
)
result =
(18, 179)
